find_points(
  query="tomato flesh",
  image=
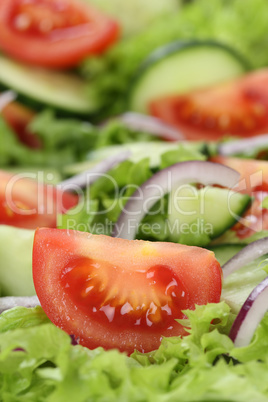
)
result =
(255, 219)
(54, 33)
(119, 293)
(253, 181)
(25, 203)
(254, 173)
(239, 107)
(18, 117)
(42, 17)
(93, 286)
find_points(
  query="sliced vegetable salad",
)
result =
(133, 200)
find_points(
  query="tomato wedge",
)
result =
(25, 203)
(18, 117)
(54, 33)
(254, 173)
(253, 181)
(118, 293)
(239, 107)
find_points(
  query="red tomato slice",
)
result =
(255, 219)
(18, 117)
(253, 181)
(117, 293)
(54, 33)
(27, 204)
(239, 107)
(254, 173)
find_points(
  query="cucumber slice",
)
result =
(62, 90)
(206, 212)
(16, 261)
(181, 67)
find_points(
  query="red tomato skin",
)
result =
(118, 264)
(27, 204)
(18, 117)
(253, 181)
(52, 33)
(238, 107)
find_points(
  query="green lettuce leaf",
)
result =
(104, 199)
(12, 152)
(21, 317)
(230, 237)
(38, 363)
(65, 141)
(145, 12)
(257, 349)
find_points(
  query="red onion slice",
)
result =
(5, 98)
(88, 177)
(248, 254)
(236, 147)
(7, 303)
(162, 183)
(250, 315)
(151, 125)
